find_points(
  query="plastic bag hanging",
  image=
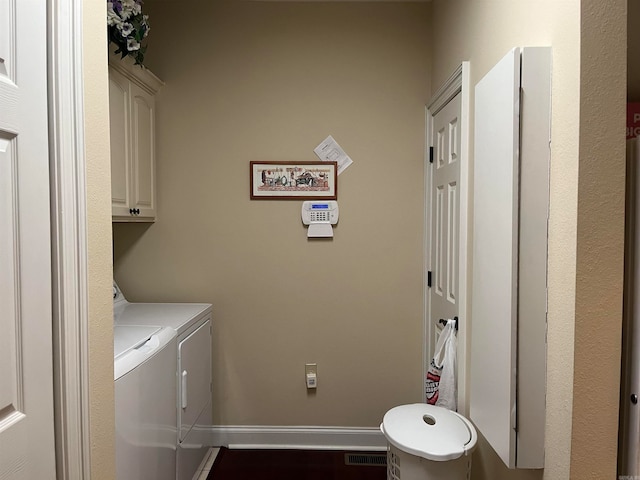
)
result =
(441, 381)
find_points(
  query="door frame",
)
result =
(458, 82)
(69, 239)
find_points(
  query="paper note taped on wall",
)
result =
(330, 151)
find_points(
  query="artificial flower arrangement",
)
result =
(127, 27)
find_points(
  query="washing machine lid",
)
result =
(134, 345)
(179, 316)
(427, 431)
(128, 337)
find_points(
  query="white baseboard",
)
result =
(308, 438)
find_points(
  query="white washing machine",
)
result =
(192, 394)
(144, 373)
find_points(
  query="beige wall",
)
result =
(482, 32)
(261, 81)
(96, 128)
(268, 81)
(633, 51)
(600, 246)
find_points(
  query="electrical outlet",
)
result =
(311, 375)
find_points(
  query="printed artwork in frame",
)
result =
(294, 180)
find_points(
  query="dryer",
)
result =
(145, 414)
(192, 397)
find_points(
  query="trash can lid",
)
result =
(428, 431)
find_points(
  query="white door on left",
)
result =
(445, 216)
(26, 375)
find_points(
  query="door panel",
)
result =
(511, 206)
(453, 212)
(11, 405)
(119, 118)
(445, 216)
(495, 256)
(143, 151)
(439, 241)
(535, 156)
(26, 372)
(194, 367)
(629, 461)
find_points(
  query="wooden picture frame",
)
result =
(294, 180)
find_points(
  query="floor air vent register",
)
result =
(372, 459)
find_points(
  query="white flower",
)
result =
(112, 17)
(125, 28)
(127, 9)
(132, 44)
(128, 4)
(145, 24)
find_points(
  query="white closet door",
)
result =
(630, 451)
(495, 256)
(27, 449)
(445, 217)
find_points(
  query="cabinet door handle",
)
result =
(131, 211)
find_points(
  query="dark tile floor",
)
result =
(290, 465)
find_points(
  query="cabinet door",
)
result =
(511, 201)
(119, 112)
(143, 152)
(194, 370)
(495, 256)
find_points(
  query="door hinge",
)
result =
(429, 279)
(430, 154)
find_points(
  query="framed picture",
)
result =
(294, 180)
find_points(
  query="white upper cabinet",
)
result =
(509, 302)
(132, 92)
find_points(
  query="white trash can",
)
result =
(426, 442)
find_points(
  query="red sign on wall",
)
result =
(633, 120)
